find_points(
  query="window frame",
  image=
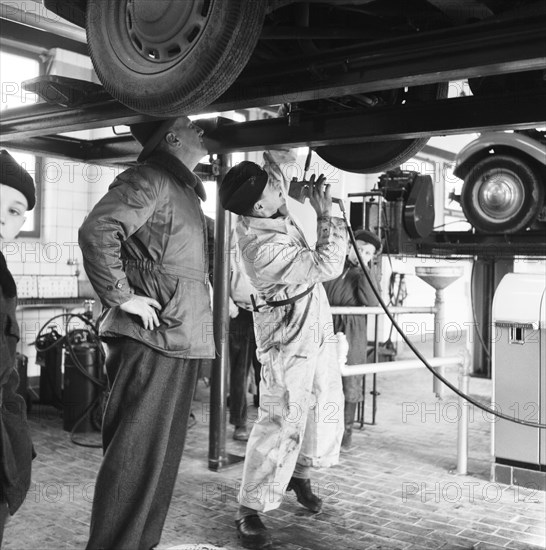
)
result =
(36, 213)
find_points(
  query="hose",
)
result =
(416, 351)
(67, 342)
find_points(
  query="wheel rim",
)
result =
(499, 195)
(160, 33)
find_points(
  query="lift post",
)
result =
(218, 457)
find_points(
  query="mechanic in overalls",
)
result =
(300, 420)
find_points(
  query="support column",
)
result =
(218, 457)
(486, 276)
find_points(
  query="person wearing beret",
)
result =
(352, 289)
(145, 252)
(300, 416)
(17, 195)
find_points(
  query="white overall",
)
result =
(301, 398)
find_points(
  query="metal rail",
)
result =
(441, 362)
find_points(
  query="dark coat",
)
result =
(351, 289)
(148, 235)
(16, 451)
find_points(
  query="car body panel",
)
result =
(476, 149)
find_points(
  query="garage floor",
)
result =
(396, 488)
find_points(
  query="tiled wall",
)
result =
(69, 190)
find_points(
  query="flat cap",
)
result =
(14, 175)
(242, 187)
(149, 134)
(368, 237)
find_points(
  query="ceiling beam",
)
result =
(17, 35)
(446, 117)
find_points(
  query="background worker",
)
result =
(145, 252)
(352, 289)
(242, 344)
(17, 195)
(299, 423)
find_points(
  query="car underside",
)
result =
(169, 58)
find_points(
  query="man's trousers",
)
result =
(242, 354)
(144, 429)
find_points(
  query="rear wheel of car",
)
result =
(171, 57)
(380, 156)
(502, 194)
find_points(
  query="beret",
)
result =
(368, 237)
(14, 175)
(242, 187)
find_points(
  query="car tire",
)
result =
(171, 58)
(379, 156)
(502, 194)
(371, 157)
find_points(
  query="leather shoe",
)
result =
(253, 533)
(240, 433)
(304, 494)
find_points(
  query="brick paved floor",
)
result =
(395, 490)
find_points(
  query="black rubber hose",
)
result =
(417, 352)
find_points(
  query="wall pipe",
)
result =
(365, 310)
(390, 366)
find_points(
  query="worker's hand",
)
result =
(319, 196)
(145, 308)
(233, 309)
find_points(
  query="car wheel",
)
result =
(171, 57)
(380, 156)
(502, 194)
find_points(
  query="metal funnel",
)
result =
(439, 277)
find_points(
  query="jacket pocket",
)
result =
(8, 343)
(9, 326)
(170, 291)
(175, 319)
(172, 310)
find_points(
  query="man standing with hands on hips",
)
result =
(300, 420)
(145, 252)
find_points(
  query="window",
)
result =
(16, 68)
(32, 165)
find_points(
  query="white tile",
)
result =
(64, 201)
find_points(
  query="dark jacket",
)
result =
(148, 235)
(351, 289)
(16, 450)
